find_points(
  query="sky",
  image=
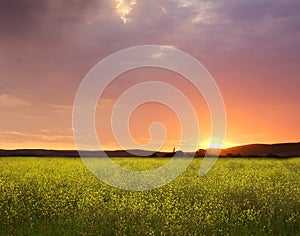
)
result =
(251, 49)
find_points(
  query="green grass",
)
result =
(59, 196)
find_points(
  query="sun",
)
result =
(227, 144)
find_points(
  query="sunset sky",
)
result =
(251, 49)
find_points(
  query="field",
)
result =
(59, 196)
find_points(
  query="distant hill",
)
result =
(74, 153)
(264, 150)
(251, 150)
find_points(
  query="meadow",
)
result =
(239, 196)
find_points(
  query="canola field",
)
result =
(59, 196)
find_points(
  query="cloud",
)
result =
(48, 46)
(22, 17)
(7, 100)
(60, 108)
(17, 139)
(157, 55)
(19, 16)
(123, 9)
(35, 136)
(68, 38)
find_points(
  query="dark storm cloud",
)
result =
(253, 10)
(19, 17)
(233, 25)
(63, 39)
(250, 28)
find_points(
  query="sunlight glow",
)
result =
(123, 9)
(227, 144)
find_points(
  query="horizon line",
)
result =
(136, 149)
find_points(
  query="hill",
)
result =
(264, 150)
(251, 150)
(74, 153)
